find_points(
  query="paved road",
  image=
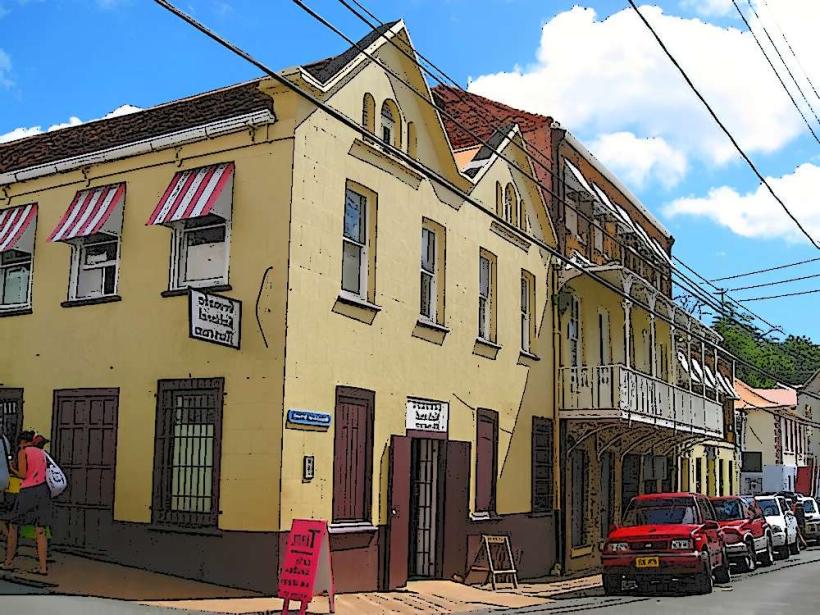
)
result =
(791, 587)
(12, 602)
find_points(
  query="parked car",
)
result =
(666, 537)
(812, 520)
(783, 524)
(746, 533)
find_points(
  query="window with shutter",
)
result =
(353, 454)
(486, 459)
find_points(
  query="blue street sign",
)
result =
(309, 417)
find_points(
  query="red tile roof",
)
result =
(481, 115)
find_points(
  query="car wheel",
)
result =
(723, 574)
(749, 562)
(767, 559)
(612, 584)
(704, 583)
(794, 549)
(785, 552)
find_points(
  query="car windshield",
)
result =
(809, 506)
(660, 513)
(770, 508)
(728, 510)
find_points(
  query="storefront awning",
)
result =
(17, 228)
(196, 193)
(98, 210)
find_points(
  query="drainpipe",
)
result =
(558, 435)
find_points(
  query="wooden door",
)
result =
(84, 445)
(399, 511)
(456, 509)
(630, 480)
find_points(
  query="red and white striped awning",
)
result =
(196, 193)
(17, 228)
(97, 210)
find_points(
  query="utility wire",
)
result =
(795, 294)
(766, 270)
(684, 281)
(722, 125)
(776, 73)
(777, 282)
(434, 176)
(789, 45)
(779, 55)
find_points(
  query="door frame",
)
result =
(59, 394)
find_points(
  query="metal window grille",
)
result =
(542, 467)
(187, 454)
(11, 413)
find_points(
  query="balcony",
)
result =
(617, 392)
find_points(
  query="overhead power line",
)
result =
(775, 71)
(795, 294)
(723, 126)
(776, 282)
(436, 177)
(766, 270)
(685, 282)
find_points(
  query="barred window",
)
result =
(187, 453)
(542, 477)
(11, 413)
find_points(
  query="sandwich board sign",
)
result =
(306, 571)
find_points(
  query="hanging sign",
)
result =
(214, 319)
(306, 570)
(427, 414)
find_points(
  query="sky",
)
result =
(590, 65)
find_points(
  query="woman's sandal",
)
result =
(42, 574)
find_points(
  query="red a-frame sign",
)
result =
(305, 570)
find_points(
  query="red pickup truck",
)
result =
(665, 537)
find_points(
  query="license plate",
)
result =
(647, 562)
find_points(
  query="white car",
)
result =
(783, 524)
(812, 519)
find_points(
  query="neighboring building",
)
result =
(629, 410)
(808, 403)
(419, 326)
(775, 438)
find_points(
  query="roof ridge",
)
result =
(492, 102)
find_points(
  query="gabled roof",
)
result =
(751, 398)
(324, 70)
(480, 115)
(99, 135)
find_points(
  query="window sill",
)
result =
(351, 299)
(488, 343)
(18, 311)
(429, 324)
(523, 355)
(194, 531)
(90, 301)
(352, 527)
(179, 292)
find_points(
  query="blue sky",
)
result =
(84, 58)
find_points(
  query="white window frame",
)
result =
(79, 248)
(29, 261)
(360, 244)
(485, 299)
(427, 273)
(179, 232)
(526, 312)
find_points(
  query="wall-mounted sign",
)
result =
(427, 414)
(214, 319)
(309, 418)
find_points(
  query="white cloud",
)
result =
(23, 132)
(5, 70)
(603, 76)
(709, 8)
(639, 160)
(757, 214)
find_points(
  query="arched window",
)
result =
(522, 215)
(510, 205)
(391, 123)
(499, 199)
(369, 113)
(412, 144)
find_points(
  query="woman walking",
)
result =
(33, 504)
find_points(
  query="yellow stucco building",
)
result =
(382, 342)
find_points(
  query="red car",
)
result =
(746, 533)
(666, 537)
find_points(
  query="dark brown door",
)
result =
(85, 430)
(456, 509)
(399, 509)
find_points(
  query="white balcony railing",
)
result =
(614, 391)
